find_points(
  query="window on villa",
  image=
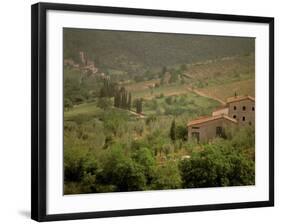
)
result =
(243, 118)
(253, 108)
(196, 135)
(250, 123)
(218, 131)
(244, 108)
(234, 116)
(234, 108)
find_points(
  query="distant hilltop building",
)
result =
(83, 57)
(85, 64)
(70, 63)
(238, 111)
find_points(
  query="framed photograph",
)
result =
(139, 111)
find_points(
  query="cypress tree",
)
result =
(117, 98)
(129, 101)
(124, 104)
(173, 131)
(139, 106)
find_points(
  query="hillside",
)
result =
(222, 92)
(135, 52)
(217, 78)
(128, 98)
(221, 71)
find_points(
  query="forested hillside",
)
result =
(138, 51)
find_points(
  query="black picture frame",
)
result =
(39, 123)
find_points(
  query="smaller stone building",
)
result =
(238, 111)
(206, 128)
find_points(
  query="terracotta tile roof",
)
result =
(212, 118)
(239, 98)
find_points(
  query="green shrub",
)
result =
(77, 163)
(166, 176)
(181, 132)
(144, 157)
(104, 103)
(220, 164)
(70, 126)
(115, 122)
(169, 100)
(73, 165)
(121, 171)
(67, 104)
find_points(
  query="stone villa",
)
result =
(238, 111)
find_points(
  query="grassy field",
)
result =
(244, 87)
(188, 104)
(175, 102)
(165, 90)
(218, 78)
(85, 109)
(223, 70)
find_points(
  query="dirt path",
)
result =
(131, 112)
(198, 92)
(135, 113)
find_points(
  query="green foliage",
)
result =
(129, 103)
(128, 176)
(122, 99)
(114, 122)
(166, 177)
(78, 87)
(104, 103)
(243, 138)
(70, 126)
(109, 149)
(144, 157)
(77, 163)
(157, 139)
(121, 171)
(169, 100)
(181, 132)
(108, 89)
(189, 105)
(101, 155)
(72, 188)
(139, 128)
(73, 164)
(139, 51)
(138, 144)
(218, 165)
(67, 104)
(150, 119)
(139, 106)
(151, 104)
(174, 111)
